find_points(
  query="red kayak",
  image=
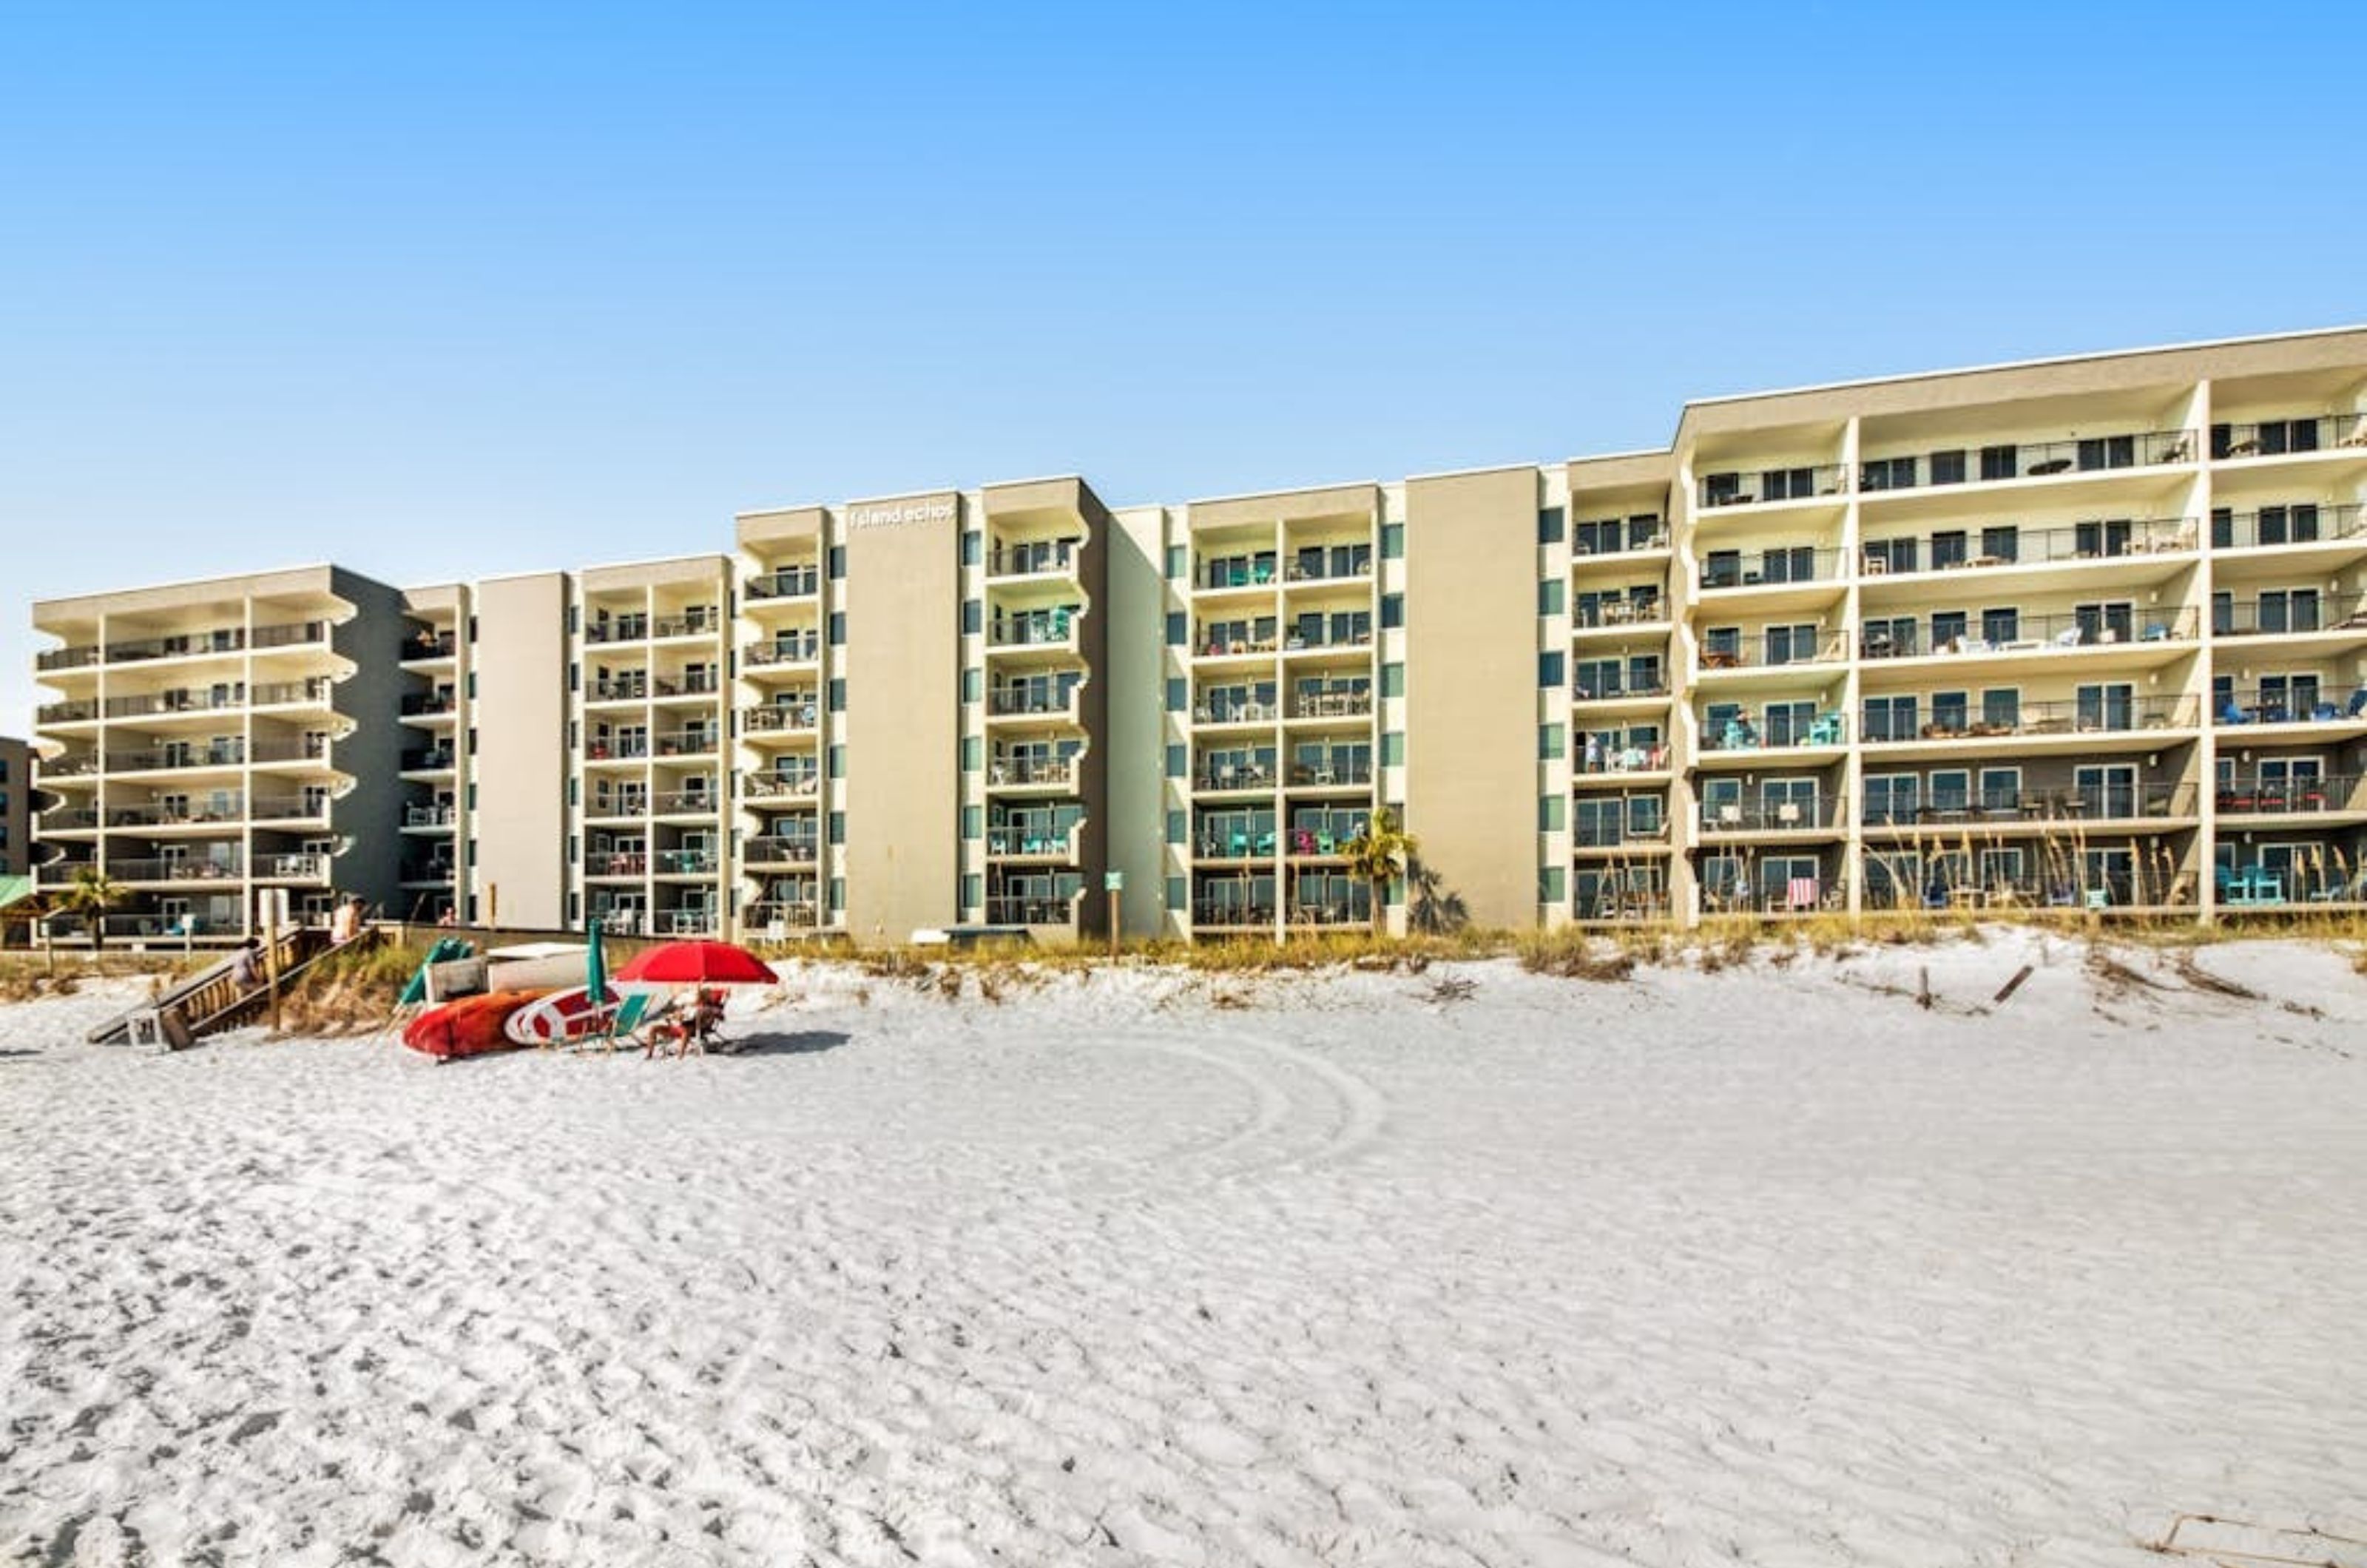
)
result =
(468, 1027)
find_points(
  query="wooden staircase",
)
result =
(213, 1000)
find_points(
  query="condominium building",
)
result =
(2082, 633)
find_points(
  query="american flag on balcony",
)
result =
(1803, 893)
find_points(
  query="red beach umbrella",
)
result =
(698, 963)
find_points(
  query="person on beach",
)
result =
(247, 971)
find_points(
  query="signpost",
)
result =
(1112, 884)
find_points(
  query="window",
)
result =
(1948, 467)
(1393, 749)
(836, 827)
(1888, 637)
(1948, 628)
(1549, 525)
(1890, 798)
(2000, 626)
(973, 685)
(1792, 645)
(836, 760)
(973, 546)
(2001, 710)
(1392, 611)
(1549, 813)
(837, 562)
(2000, 544)
(1887, 473)
(838, 895)
(1178, 897)
(1893, 555)
(973, 754)
(1393, 541)
(1551, 669)
(973, 616)
(1551, 742)
(1179, 629)
(1551, 884)
(1179, 695)
(973, 821)
(2000, 790)
(838, 694)
(1999, 462)
(838, 628)
(1178, 761)
(1951, 790)
(1393, 680)
(2108, 452)
(1951, 711)
(1550, 596)
(973, 891)
(1178, 829)
(1179, 563)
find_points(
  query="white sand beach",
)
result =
(1768, 1265)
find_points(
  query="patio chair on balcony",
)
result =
(1826, 730)
(2232, 711)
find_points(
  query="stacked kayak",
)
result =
(470, 1026)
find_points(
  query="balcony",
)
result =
(1021, 839)
(1619, 615)
(687, 743)
(686, 863)
(231, 754)
(1780, 731)
(784, 582)
(2293, 614)
(1228, 915)
(684, 803)
(2290, 438)
(2290, 796)
(806, 650)
(1341, 771)
(1763, 486)
(1232, 710)
(609, 808)
(2300, 702)
(780, 787)
(688, 922)
(1331, 705)
(1335, 563)
(428, 704)
(1894, 722)
(2300, 523)
(773, 849)
(776, 717)
(289, 808)
(428, 760)
(1235, 776)
(617, 863)
(689, 684)
(1030, 910)
(1821, 814)
(1339, 641)
(1040, 628)
(82, 711)
(2012, 632)
(2003, 460)
(427, 817)
(1023, 701)
(301, 867)
(700, 623)
(425, 646)
(613, 630)
(1994, 545)
(2135, 802)
(1723, 570)
(418, 872)
(1775, 648)
(779, 916)
(1040, 558)
(625, 689)
(1609, 754)
(617, 748)
(1033, 771)
(192, 813)
(1648, 688)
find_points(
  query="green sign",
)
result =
(1113, 882)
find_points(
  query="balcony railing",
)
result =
(2283, 437)
(1232, 712)
(176, 870)
(1771, 568)
(430, 759)
(427, 871)
(2284, 796)
(704, 624)
(2094, 802)
(688, 922)
(293, 634)
(786, 583)
(301, 867)
(616, 862)
(2287, 613)
(83, 818)
(194, 814)
(1628, 690)
(689, 684)
(427, 817)
(622, 628)
(1987, 547)
(1591, 616)
(2301, 523)
(288, 808)
(1823, 645)
(1740, 488)
(421, 646)
(1332, 705)
(2087, 716)
(1338, 770)
(1612, 903)
(1997, 460)
(291, 748)
(780, 787)
(1235, 776)
(776, 850)
(2018, 633)
(1049, 628)
(615, 806)
(798, 914)
(1745, 734)
(1615, 751)
(686, 863)
(1017, 839)
(425, 705)
(631, 688)
(1771, 816)
(1032, 910)
(785, 650)
(687, 743)
(230, 755)
(1006, 701)
(1594, 832)
(2305, 703)
(685, 802)
(1031, 771)
(81, 711)
(773, 718)
(617, 748)
(1042, 557)
(1233, 917)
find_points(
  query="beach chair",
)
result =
(625, 1020)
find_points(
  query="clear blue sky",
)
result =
(445, 290)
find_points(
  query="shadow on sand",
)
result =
(806, 1042)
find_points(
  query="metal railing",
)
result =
(615, 806)
(423, 646)
(773, 849)
(1040, 629)
(1357, 568)
(706, 623)
(2284, 438)
(176, 869)
(427, 817)
(294, 634)
(425, 704)
(1007, 701)
(427, 871)
(1758, 486)
(1771, 567)
(772, 717)
(616, 862)
(1233, 917)
(431, 760)
(1626, 691)
(685, 803)
(1008, 909)
(623, 629)
(686, 863)
(689, 922)
(2092, 803)
(629, 688)
(1339, 770)
(2094, 716)
(2304, 704)
(1040, 558)
(1745, 733)
(802, 914)
(1615, 751)
(1332, 705)
(1987, 547)
(1020, 840)
(288, 808)
(302, 866)
(1771, 816)
(2000, 631)
(1031, 771)
(1776, 647)
(2301, 523)
(1235, 776)
(617, 748)
(780, 787)
(2284, 796)
(784, 583)
(685, 742)
(2305, 612)
(804, 649)
(1638, 612)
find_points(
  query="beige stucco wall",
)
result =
(519, 822)
(1471, 687)
(902, 665)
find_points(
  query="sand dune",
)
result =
(1766, 1267)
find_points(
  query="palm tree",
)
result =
(91, 895)
(1377, 857)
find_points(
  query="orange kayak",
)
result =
(467, 1027)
